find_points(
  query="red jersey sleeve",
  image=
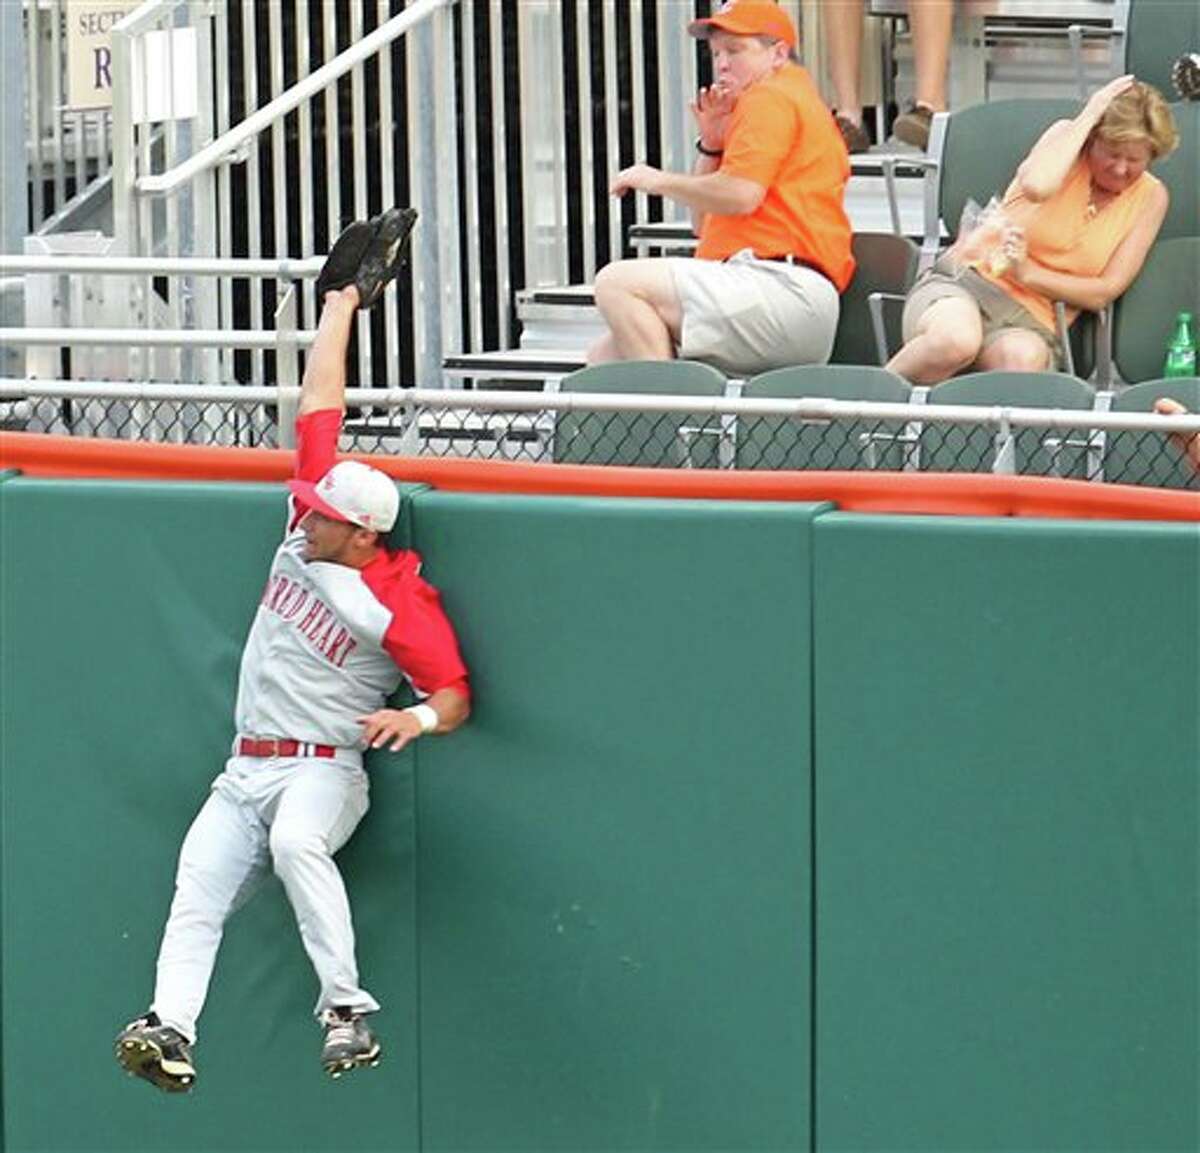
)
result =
(420, 638)
(316, 452)
(316, 442)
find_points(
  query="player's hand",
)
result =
(711, 109)
(636, 178)
(384, 725)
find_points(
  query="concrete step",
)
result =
(516, 367)
(558, 317)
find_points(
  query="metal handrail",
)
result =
(152, 338)
(142, 16)
(282, 269)
(804, 409)
(212, 154)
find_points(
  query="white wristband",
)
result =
(426, 715)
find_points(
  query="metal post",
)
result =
(422, 88)
(123, 171)
(287, 367)
(13, 215)
(204, 202)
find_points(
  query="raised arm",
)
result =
(711, 110)
(324, 384)
(1043, 171)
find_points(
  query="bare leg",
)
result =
(932, 24)
(949, 335)
(638, 301)
(1015, 351)
(842, 21)
(604, 350)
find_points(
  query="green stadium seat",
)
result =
(1148, 457)
(781, 442)
(1144, 317)
(1180, 171)
(1042, 452)
(887, 265)
(647, 440)
(1157, 34)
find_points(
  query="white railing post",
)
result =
(124, 173)
(287, 367)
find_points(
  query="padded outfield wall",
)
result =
(775, 827)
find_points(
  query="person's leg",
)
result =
(222, 858)
(948, 337)
(638, 302)
(603, 350)
(932, 25)
(1015, 350)
(842, 22)
(320, 806)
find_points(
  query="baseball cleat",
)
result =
(157, 1053)
(368, 254)
(348, 1042)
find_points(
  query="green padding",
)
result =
(124, 609)
(614, 855)
(1007, 750)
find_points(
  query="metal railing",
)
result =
(645, 431)
(68, 148)
(187, 350)
(502, 122)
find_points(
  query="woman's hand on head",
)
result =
(1099, 100)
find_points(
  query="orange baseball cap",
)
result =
(749, 18)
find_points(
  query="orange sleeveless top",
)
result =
(1063, 236)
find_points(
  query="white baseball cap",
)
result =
(352, 492)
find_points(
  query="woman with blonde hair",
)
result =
(1078, 221)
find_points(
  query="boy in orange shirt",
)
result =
(766, 195)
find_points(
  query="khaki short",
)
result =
(998, 311)
(745, 315)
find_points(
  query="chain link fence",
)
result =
(646, 432)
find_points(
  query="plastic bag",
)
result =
(981, 237)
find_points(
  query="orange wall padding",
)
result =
(962, 494)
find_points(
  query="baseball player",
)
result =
(341, 622)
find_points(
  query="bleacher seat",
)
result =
(1158, 33)
(1180, 172)
(1149, 458)
(887, 264)
(1059, 452)
(648, 440)
(782, 442)
(1144, 317)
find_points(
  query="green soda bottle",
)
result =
(1181, 352)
